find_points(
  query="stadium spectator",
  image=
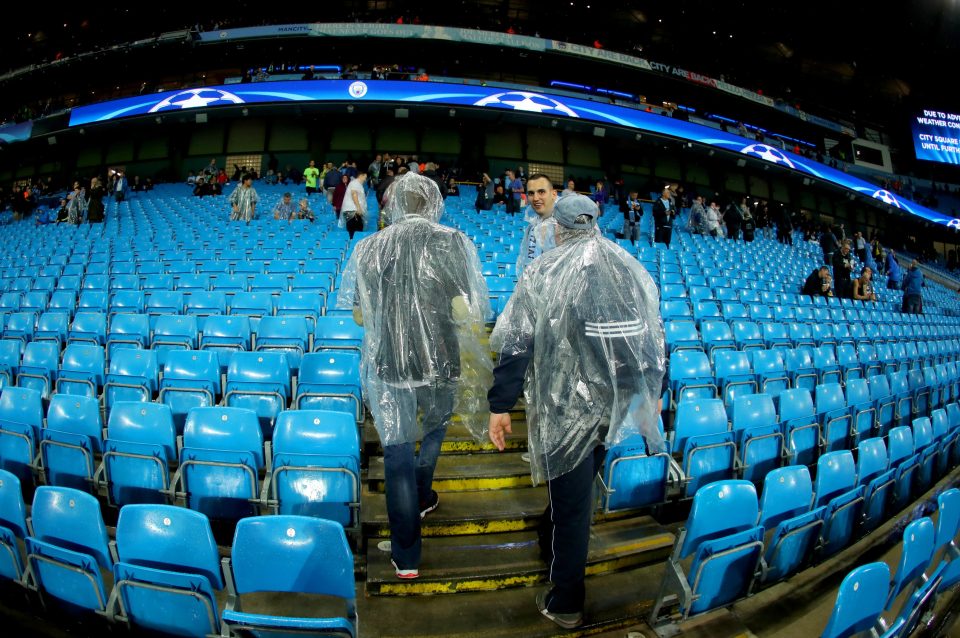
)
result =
(452, 189)
(538, 236)
(828, 243)
(221, 180)
(863, 286)
(95, 206)
(600, 194)
(762, 217)
(338, 194)
(485, 192)
(430, 170)
(818, 283)
(733, 217)
(499, 196)
(413, 165)
(514, 189)
(331, 177)
(237, 174)
(632, 217)
(137, 186)
(310, 175)
(349, 168)
(202, 188)
(878, 255)
(387, 177)
(417, 288)
(860, 244)
(579, 307)
(285, 209)
(696, 219)
(304, 212)
(784, 226)
(354, 204)
(663, 213)
(120, 187)
(894, 273)
(373, 171)
(571, 189)
(211, 170)
(913, 290)
(309, 74)
(842, 270)
(191, 178)
(243, 200)
(749, 224)
(75, 204)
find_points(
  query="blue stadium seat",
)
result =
(785, 509)
(70, 439)
(128, 331)
(127, 281)
(835, 419)
(734, 375)
(884, 402)
(919, 540)
(318, 282)
(634, 476)
(253, 305)
(836, 488)
(758, 436)
(717, 337)
(89, 328)
(93, 301)
(877, 479)
(10, 351)
(862, 409)
(900, 388)
(259, 381)
(906, 461)
(800, 426)
(38, 368)
(801, 369)
(337, 333)
(288, 335)
(801, 334)
(860, 601)
(174, 332)
(68, 548)
(192, 283)
(191, 379)
(220, 462)
(301, 303)
(165, 302)
(330, 381)
(132, 376)
(35, 301)
(680, 334)
(707, 309)
(63, 301)
(704, 441)
(225, 335)
(945, 438)
(296, 555)
(747, 335)
(126, 302)
(948, 527)
(927, 449)
(140, 445)
(81, 371)
(769, 367)
(726, 543)
(20, 326)
(13, 526)
(316, 466)
(167, 572)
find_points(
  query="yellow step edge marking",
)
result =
(468, 529)
(473, 446)
(468, 485)
(451, 587)
(652, 542)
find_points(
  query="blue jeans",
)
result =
(409, 475)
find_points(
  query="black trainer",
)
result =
(432, 503)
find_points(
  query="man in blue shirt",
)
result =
(913, 290)
(515, 189)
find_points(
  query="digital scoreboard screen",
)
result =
(936, 136)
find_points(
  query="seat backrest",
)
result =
(732, 363)
(175, 325)
(22, 406)
(223, 326)
(836, 475)
(829, 397)
(753, 410)
(795, 403)
(879, 387)
(720, 509)
(872, 460)
(344, 328)
(858, 392)
(287, 553)
(71, 519)
(169, 300)
(948, 516)
(170, 538)
(216, 428)
(919, 539)
(13, 512)
(767, 361)
(860, 600)
(698, 417)
(130, 324)
(150, 423)
(75, 414)
(953, 415)
(316, 432)
(193, 364)
(716, 331)
(330, 367)
(901, 444)
(938, 419)
(260, 368)
(83, 358)
(286, 328)
(922, 432)
(787, 492)
(135, 363)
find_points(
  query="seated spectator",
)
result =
(285, 210)
(818, 283)
(304, 212)
(270, 177)
(863, 286)
(191, 178)
(148, 186)
(499, 197)
(202, 188)
(452, 189)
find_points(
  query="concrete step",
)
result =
(614, 601)
(465, 513)
(488, 562)
(458, 439)
(466, 472)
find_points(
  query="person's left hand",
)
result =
(500, 426)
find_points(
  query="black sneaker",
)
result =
(567, 621)
(432, 503)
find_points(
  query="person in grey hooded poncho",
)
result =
(417, 288)
(582, 336)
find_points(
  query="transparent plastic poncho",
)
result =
(538, 238)
(423, 301)
(590, 314)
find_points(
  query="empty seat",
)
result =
(877, 479)
(13, 526)
(132, 376)
(68, 548)
(758, 436)
(316, 466)
(836, 488)
(10, 350)
(906, 462)
(259, 381)
(174, 332)
(835, 419)
(288, 335)
(801, 369)
(220, 462)
(291, 554)
(20, 326)
(703, 439)
(633, 475)
(860, 600)
(734, 375)
(139, 446)
(330, 381)
(70, 439)
(800, 426)
(191, 283)
(88, 327)
(770, 370)
(225, 335)
(128, 331)
(127, 302)
(681, 334)
(21, 417)
(336, 333)
(785, 510)
(301, 303)
(726, 543)
(191, 379)
(63, 301)
(205, 303)
(165, 302)
(81, 371)
(38, 368)
(93, 301)
(168, 571)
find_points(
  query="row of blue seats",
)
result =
(218, 464)
(870, 600)
(728, 535)
(165, 564)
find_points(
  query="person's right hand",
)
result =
(500, 426)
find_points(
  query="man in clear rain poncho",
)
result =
(538, 236)
(416, 286)
(583, 338)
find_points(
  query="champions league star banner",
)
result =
(463, 95)
(10, 133)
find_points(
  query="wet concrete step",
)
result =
(466, 472)
(614, 601)
(488, 562)
(465, 513)
(458, 439)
